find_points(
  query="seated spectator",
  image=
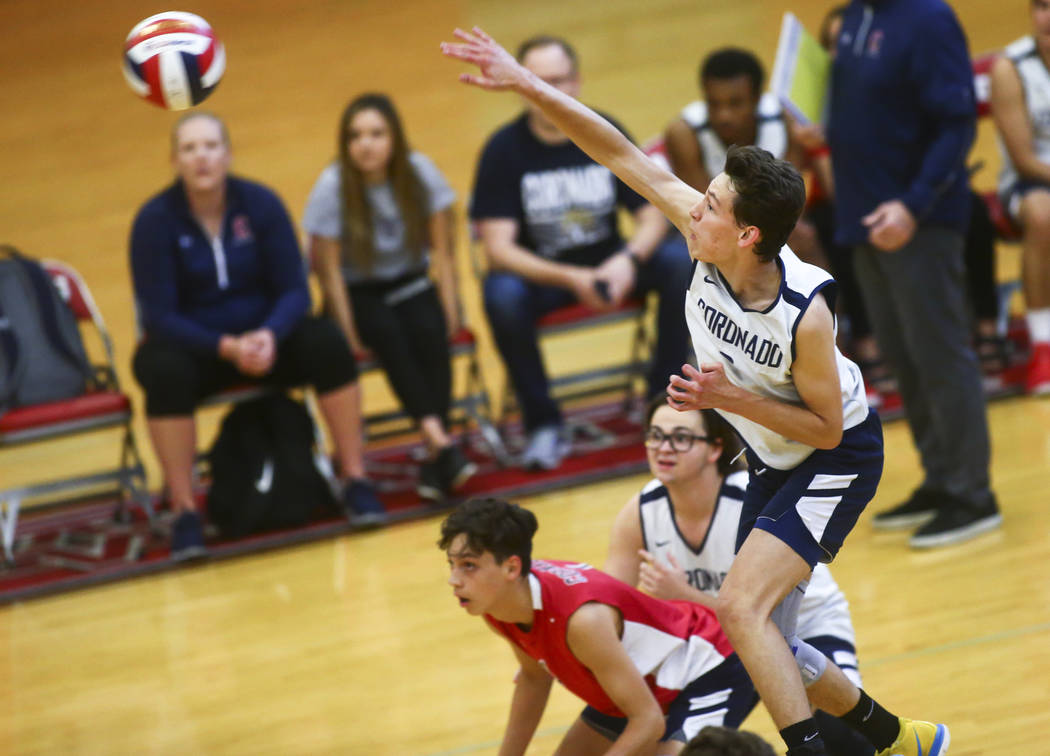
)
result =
(1021, 108)
(547, 219)
(722, 741)
(675, 540)
(222, 296)
(734, 110)
(379, 217)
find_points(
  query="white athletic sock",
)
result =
(1038, 325)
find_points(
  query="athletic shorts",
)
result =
(813, 507)
(722, 697)
(1011, 198)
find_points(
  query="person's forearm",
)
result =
(1032, 168)
(649, 230)
(792, 421)
(941, 165)
(526, 710)
(695, 596)
(639, 737)
(527, 264)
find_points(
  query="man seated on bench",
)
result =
(222, 295)
(547, 219)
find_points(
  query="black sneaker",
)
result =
(187, 537)
(430, 484)
(455, 468)
(441, 476)
(957, 522)
(920, 508)
(361, 505)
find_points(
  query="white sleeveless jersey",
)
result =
(1035, 79)
(824, 609)
(772, 132)
(758, 349)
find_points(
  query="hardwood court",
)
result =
(355, 645)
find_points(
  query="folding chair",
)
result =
(97, 409)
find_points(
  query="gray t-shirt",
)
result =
(324, 217)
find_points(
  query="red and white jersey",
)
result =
(671, 643)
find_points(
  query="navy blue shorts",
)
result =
(1011, 198)
(813, 507)
(722, 697)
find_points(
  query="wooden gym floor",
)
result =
(355, 645)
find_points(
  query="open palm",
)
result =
(498, 68)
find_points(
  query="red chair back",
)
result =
(72, 288)
(982, 82)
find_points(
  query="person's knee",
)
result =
(168, 377)
(737, 612)
(506, 298)
(319, 347)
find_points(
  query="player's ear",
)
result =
(749, 235)
(512, 566)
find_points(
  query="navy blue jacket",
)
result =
(902, 115)
(188, 292)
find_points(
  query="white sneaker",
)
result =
(546, 449)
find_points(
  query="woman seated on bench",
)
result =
(379, 217)
(221, 292)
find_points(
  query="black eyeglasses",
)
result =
(681, 439)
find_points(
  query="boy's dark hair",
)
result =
(500, 527)
(730, 62)
(770, 194)
(714, 426)
(722, 741)
(543, 40)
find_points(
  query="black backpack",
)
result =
(42, 357)
(266, 473)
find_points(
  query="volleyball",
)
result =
(173, 60)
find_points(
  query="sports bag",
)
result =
(42, 357)
(265, 470)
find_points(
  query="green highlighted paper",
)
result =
(801, 71)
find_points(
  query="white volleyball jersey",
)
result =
(758, 349)
(824, 609)
(772, 132)
(1035, 79)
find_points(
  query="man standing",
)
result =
(546, 216)
(902, 121)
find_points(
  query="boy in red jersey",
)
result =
(656, 672)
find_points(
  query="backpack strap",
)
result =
(45, 293)
(10, 353)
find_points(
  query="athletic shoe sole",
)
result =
(957, 535)
(189, 553)
(368, 520)
(903, 521)
(431, 493)
(465, 473)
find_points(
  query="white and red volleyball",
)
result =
(173, 60)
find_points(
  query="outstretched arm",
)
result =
(499, 71)
(532, 686)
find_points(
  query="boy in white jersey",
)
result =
(676, 539)
(1021, 108)
(815, 450)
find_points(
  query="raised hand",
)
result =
(498, 68)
